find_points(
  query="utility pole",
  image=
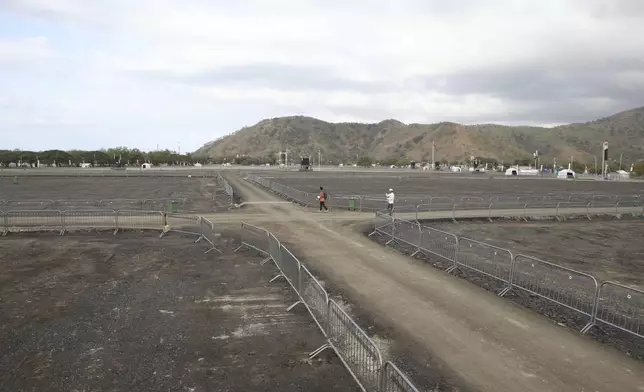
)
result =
(554, 166)
(620, 160)
(319, 160)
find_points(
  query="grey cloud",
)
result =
(279, 76)
(533, 82)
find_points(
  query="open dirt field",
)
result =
(422, 186)
(467, 335)
(608, 250)
(132, 312)
(195, 194)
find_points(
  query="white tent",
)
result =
(146, 166)
(513, 171)
(566, 173)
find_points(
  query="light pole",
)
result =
(620, 160)
(595, 159)
(319, 160)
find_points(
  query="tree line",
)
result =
(116, 157)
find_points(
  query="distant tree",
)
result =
(638, 169)
(365, 161)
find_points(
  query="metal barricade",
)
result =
(35, 220)
(183, 223)
(393, 379)
(290, 267)
(95, 219)
(621, 307)
(439, 243)
(30, 205)
(357, 351)
(515, 209)
(564, 286)
(207, 230)
(408, 233)
(373, 203)
(274, 249)
(122, 204)
(383, 223)
(315, 298)
(140, 220)
(255, 238)
(470, 207)
(486, 259)
(3, 221)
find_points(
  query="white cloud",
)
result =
(153, 69)
(23, 51)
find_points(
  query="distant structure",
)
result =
(305, 163)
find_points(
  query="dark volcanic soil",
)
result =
(132, 312)
(194, 194)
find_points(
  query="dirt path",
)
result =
(486, 341)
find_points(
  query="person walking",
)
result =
(322, 198)
(390, 200)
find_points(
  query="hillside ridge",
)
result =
(393, 139)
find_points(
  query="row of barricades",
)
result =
(105, 203)
(356, 350)
(223, 183)
(609, 303)
(107, 172)
(457, 203)
(116, 220)
(488, 210)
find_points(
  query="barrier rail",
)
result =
(358, 353)
(609, 303)
(116, 220)
(222, 182)
(519, 206)
(160, 204)
(486, 259)
(394, 380)
(621, 307)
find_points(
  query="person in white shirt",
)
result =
(390, 200)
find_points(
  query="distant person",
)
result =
(322, 198)
(390, 200)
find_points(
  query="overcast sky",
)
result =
(100, 73)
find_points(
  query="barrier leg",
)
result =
(275, 277)
(299, 301)
(319, 350)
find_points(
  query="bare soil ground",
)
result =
(607, 249)
(419, 187)
(469, 336)
(194, 194)
(132, 312)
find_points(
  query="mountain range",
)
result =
(391, 139)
